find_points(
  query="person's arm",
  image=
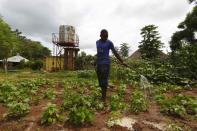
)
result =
(117, 55)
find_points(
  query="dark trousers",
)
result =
(103, 76)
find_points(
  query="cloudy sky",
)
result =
(37, 19)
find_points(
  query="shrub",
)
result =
(37, 65)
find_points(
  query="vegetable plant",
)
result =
(16, 109)
(50, 115)
(50, 93)
(138, 102)
(80, 115)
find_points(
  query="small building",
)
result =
(14, 61)
(53, 63)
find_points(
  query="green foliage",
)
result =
(6, 40)
(16, 97)
(187, 33)
(73, 99)
(36, 65)
(138, 102)
(184, 61)
(124, 75)
(113, 118)
(179, 105)
(184, 47)
(36, 100)
(84, 61)
(7, 92)
(121, 90)
(150, 45)
(116, 102)
(11, 43)
(86, 74)
(50, 115)
(80, 115)
(164, 87)
(124, 50)
(159, 98)
(173, 127)
(50, 93)
(156, 71)
(16, 109)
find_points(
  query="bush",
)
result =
(37, 65)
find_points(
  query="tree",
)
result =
(32, 50)
(150, 45)
(185, 62)
(192, 1)
(187, 31)
(84, 61)
(13, 42)
(7, 39)
(124, 50)
(184, 47)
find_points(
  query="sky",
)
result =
(38, 19)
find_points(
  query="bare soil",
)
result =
(31, 122)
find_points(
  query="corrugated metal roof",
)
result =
(16, 58)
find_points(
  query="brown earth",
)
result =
(31, 122)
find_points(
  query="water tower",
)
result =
(65, 48)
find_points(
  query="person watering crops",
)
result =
(103, 61)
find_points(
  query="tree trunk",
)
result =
(5, 62)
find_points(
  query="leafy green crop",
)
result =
(179, 105)
(138, 102)
(121, 90)
(173, 127)
(50, 115)
(86, 74)
(17, 109)
(50, 93)
(17, 94)
(76, 100)
(80, 115)
(113, 118)
(116, 103)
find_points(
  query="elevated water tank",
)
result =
(67, 35)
